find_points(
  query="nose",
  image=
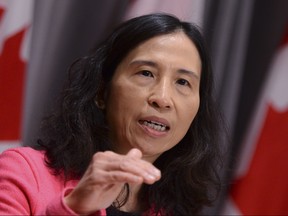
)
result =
(161, 96)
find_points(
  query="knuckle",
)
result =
(124, 164)
(97, 156)
(113, 177)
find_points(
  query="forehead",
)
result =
(175, 49)
(167, 41)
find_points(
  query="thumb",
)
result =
(135, 153)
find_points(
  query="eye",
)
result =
(183, 82)
(146, 73)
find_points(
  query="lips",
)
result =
(156, 124)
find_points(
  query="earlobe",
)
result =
(100, 97)
(100, 104)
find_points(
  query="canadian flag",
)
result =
(15, 28)
(261, 181)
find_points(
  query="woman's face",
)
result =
(154, 95)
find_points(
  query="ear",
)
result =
(101, 96)
(100, 103)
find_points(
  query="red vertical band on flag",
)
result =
(11, 87)
(264, 189)
(261, 185)
(1, 13)
(15, 27)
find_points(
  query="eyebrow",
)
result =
(154, 64)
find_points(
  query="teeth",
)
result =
(155, 125)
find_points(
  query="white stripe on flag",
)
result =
(18, 15)
(9, 144)
(188, 10)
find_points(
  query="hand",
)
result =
(105, 177)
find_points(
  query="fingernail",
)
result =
(156, 172)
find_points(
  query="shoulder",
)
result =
(26, 180)
(23, 160)
(22, 151)
(27, 154)
(25, 167)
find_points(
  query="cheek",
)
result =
(118, 95)
(191, 110)
(119, 102)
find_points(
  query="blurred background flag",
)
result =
(242, 37)
(15, 26)
(190, 10)
(260, 186)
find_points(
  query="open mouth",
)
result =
(155, 125)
